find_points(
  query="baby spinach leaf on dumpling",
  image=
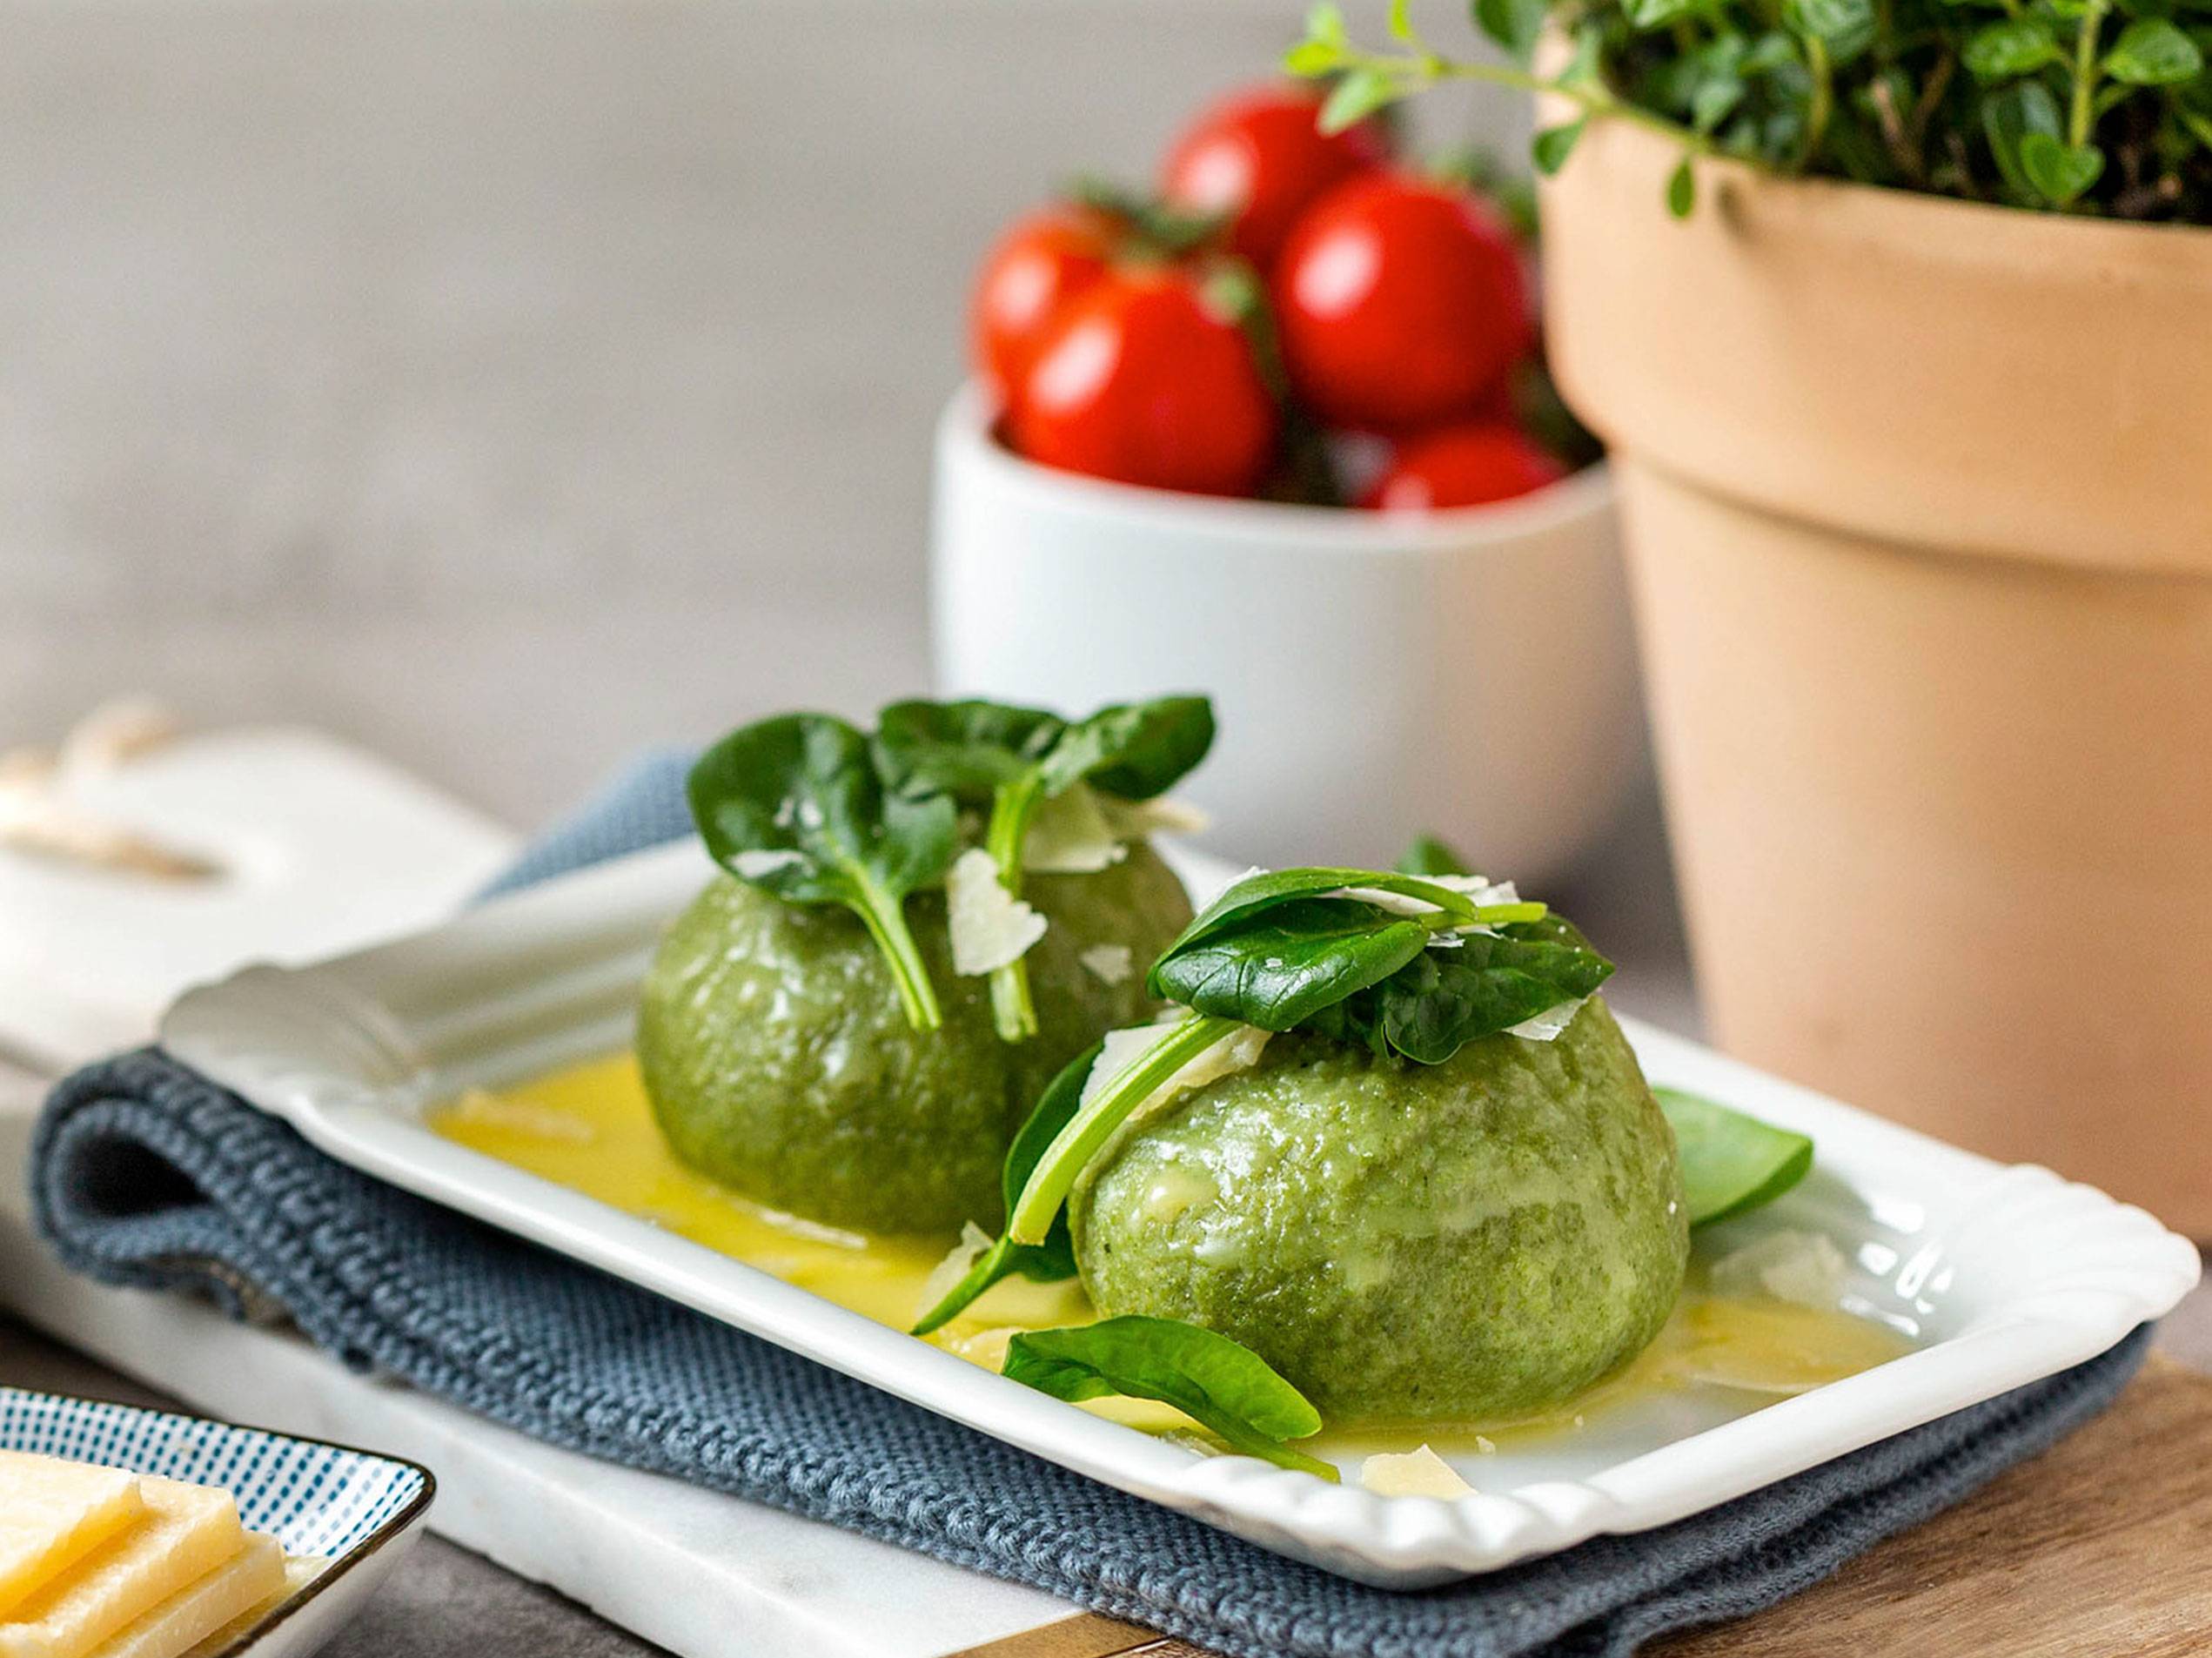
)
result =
(965, 748)
(1015, 758)
(1133, 750)
(1328, 951)
(1430, 855)
(1282, 965)
(795, 805)
(1489, 981)
(1218, 1383)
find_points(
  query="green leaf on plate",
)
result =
(1218, 1383)
(1731, 1163)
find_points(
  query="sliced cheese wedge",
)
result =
(185, 1532)
(247, 1580)
(52, 1514)
(300, 1571)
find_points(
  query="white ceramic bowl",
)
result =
(1470, 672)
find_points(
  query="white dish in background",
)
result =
(2006, 1275)
(1470, 672)
(355, 1511)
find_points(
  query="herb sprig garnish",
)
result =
(795, 805)
(1015, 758)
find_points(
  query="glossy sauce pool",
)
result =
(589, 1128)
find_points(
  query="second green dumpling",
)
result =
(780, 1064)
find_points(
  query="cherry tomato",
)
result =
(1143, 379)
(1464, 465)
(1037, 266)
(1257, 155)
(1400, 304)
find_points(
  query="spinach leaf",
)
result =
(1731, 1163)
(1316, 949)
(1428, 855)
(1265, 888)
(1015, 757)
(1034, 1211)
(794, 805)
(1287, 963)
(1218, 1383)
(1054, 1258)
(1444, 999)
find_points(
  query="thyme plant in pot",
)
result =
(1897, 316)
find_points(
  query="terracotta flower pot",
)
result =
(1918, 503)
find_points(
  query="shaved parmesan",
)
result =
(1474, 887)
(1548, 1024)
(1110, 964)
(1804, 1269)
(991, 927)
(757, 863)
(1134, 819)
(974, 1240)
(1070, 836)
(1419, 1473)
(1238, 1050)
(1397, 903)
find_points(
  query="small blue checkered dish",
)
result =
(353, 1511)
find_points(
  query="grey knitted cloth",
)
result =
(147, 1174)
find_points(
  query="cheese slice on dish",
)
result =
(185, 1532)
(300, 1570)
(53, 1513)
(248, 1579)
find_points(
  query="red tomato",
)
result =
(1141, 380)
(1257, 155)
(1036, 267)
(1400, 304)
(1464, 465)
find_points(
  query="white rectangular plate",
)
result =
(2004, 1275)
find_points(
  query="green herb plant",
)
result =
(796, 806)
(2099, 107)
(1012, 760)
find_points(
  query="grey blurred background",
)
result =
(507, 385)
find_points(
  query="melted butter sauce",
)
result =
(589, 1128)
